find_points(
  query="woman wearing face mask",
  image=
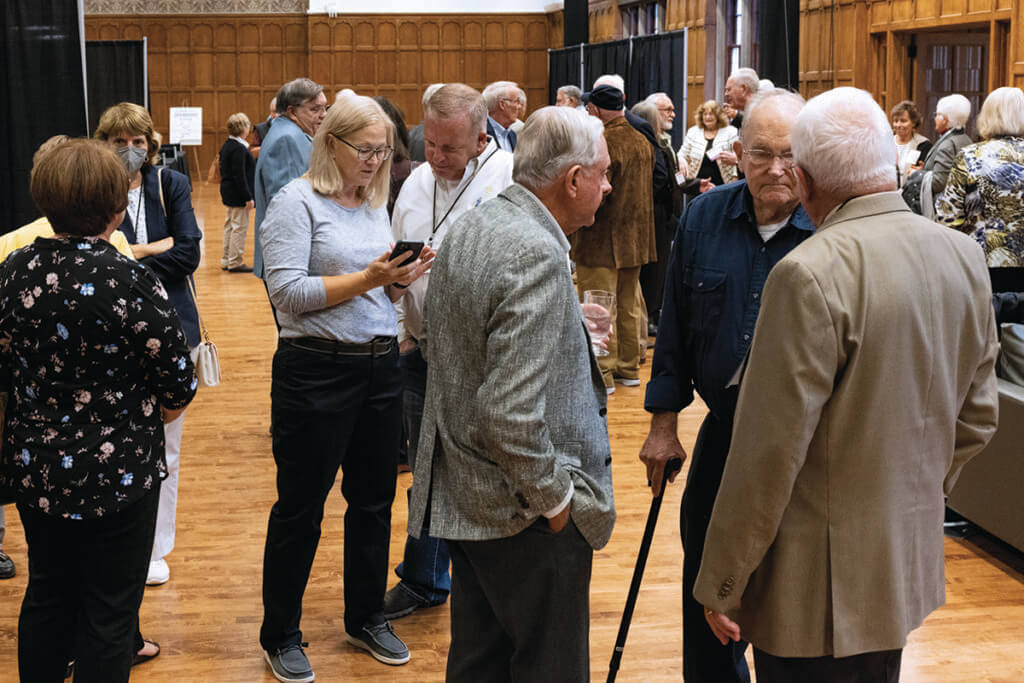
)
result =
(161, 227)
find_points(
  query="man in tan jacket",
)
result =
(870, 383)
(609, 253)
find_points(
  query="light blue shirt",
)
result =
(500, 135)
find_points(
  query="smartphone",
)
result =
(403, 247)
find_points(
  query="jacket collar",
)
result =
(866, 205)
(285, 121)
(528, 202)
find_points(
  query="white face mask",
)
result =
(132, 158)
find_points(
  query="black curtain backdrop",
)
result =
(654, 64)
(115, 72)
(657, 66)
(563, 69)
(43, 94)
(778, 30)
(605, 58)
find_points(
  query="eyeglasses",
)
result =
(317, 108)
(365, 154)
(764, 157)
(668, 109)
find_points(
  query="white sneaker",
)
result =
(628, 381)
(610, 390)
(159, 573)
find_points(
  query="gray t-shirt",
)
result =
(306, 236)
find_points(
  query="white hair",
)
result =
(746, 77)
(1002, 113)
(553, 139)
(429, 92)
(614, 80)
(654, 97)
(522, 95)
(765, 84)
(779, 96)
(842, 139)
(956, 108)
(495, 92)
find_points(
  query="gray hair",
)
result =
(614, 80)
(843, 140)
(296, 93)
(655, 96)
(495, 92)
(553, 139)
(778, 96)
(956, 108)
(648, 111)
(746, 77)
(522, 95)
(1002, 113)
(429, 92)
(572, 92)
(453, 100)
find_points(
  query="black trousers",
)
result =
(520, 607)
(870, 667)
(85, 585)
(705, 660)
(330, 411)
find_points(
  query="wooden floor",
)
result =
(207, 617)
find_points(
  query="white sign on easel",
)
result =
(187, 126)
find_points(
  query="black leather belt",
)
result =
(380, 346)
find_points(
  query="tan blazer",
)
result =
(870, 384)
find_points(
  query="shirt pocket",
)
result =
(705, 291)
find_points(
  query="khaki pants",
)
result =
(624, 345)
(236, 223)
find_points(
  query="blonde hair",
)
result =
(348, 116)
(238, 124)
(714, 108)
(132, 120)
(1002, 113)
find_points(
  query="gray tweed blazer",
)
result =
(515, 404)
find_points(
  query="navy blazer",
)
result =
(511, 134)
(237, 173)
(176, 265)
(284, 156)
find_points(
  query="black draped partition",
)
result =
(658, 64)
(778, 29)
(563, 69)
(605, 58)
(116, 72)
(649, 64)
(43, 93)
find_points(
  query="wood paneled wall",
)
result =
(227, 63)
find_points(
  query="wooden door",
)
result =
(950, 63)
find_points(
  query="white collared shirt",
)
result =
(416, 208)
(244, 143)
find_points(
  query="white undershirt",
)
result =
(768, 231)
(137, 214)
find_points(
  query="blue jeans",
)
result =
(424, 567)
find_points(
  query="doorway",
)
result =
(947, 63)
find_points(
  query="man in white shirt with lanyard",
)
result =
(464, 168)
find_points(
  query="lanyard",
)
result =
(436, 224)
(138, 210)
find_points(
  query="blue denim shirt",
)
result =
(716, 273)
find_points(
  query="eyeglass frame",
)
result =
(366, 154)
(768, 158)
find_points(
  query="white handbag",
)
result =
(206, 361)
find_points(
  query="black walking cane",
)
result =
(671, 467)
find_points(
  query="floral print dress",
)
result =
(984, 197)
(90, 348)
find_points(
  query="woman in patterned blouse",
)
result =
(96, 362)
(984, 196)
